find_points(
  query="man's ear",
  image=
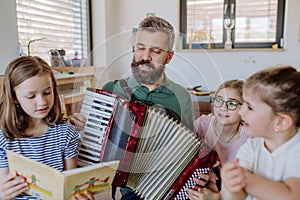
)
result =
(283, 123)
(170, 56)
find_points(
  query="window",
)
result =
(250, 23)
(53, 24)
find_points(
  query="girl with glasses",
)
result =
(222, 130)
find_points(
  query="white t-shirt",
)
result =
(279, 165)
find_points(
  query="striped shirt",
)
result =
(51, 148)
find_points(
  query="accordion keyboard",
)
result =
(98, 109)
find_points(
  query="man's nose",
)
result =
(147, 54)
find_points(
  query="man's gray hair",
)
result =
(154, 24)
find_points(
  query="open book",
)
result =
(48, 183)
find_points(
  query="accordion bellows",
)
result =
(158, 155)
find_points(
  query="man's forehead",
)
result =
(152, 39)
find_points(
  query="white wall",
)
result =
(99, 33)
(194, 67)
(8, 36)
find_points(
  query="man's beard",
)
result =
(146, 77)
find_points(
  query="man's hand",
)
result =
(79, 121)
(209, 192)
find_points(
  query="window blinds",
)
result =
(53, 24)
(255, 21)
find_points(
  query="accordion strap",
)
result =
(126, 88)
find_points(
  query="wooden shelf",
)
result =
(73, 78)
(71, 82)
(72, 96)
(74, 99)
(71, 75)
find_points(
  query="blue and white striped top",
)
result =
(59, 143)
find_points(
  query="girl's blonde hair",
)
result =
(278, 87)
(13, 120)
(234, 84)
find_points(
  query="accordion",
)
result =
(158, 156)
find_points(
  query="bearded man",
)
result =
(148, 83)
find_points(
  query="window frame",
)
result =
(279, 31)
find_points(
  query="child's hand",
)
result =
(11, 186)
(233, 176)
(86, 196)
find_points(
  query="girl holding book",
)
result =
(31, 124)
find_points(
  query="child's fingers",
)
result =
(236, 187)
(235, 180)
(86, 196)
(230, 165)
(13, 187)
(233, 176)
(90, 195)
(8, 177)
(19, 187)
(228, 169)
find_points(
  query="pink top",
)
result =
(226, 151)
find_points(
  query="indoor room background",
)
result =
(113, 20)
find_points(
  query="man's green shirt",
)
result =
(169, 95)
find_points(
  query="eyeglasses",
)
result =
(230, 104)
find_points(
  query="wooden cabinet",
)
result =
(72, 83)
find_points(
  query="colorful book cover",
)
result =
(48, 183)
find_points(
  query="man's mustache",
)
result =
(141, 62)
